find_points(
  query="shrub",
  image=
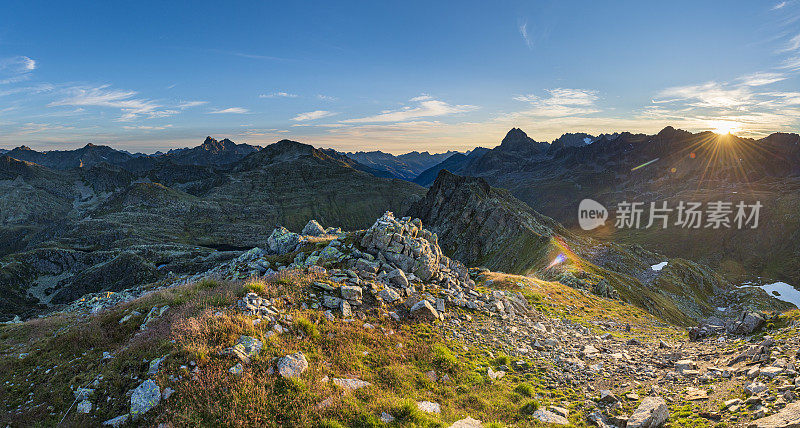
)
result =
(525, 389)
(529, 407)
(308, 328)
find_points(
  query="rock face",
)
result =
(144, 397)
(789, 417)
(282, 241)
(651, 413)
(292, 365)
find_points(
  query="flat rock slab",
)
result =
(549, 417)
(789, 417)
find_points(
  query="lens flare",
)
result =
(560, 258)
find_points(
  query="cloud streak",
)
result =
(426, 107)
(312, 115)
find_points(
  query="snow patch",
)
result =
(779, 290)
(658, 267)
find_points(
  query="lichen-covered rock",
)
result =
(144, 397)
(282, 241)
(405, 244)
(397, 278)
(292, 365)
(313, 228)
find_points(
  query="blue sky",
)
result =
(393, 76)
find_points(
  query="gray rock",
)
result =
(397, 278)
(389, 295)
(467, 422)
(116, 422)
(84, 406)
(292, 365)
(144, 397)
(651, 413)
(423, 310)
(789, 417)
(313, 228)
(549, 417)
(351, 292)
(282, 241)
(350, 384)
(347, 312)
(429, 407)
(748, 322)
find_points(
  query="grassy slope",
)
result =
(66, 352)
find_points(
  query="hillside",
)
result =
(328, 331)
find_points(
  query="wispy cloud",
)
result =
(312, 115)
(147, 128)
(16, 69)
(780, 5)
(523, 31)
(326, 97)
(278, 95)
(426, 107)
(560, 102)
(131, 106)
(230, 110)
(792, 44)
(708, 95)
(189, 104)
(761, 78)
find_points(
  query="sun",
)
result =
(723, 127)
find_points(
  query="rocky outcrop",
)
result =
(405, 244)
(483, 226)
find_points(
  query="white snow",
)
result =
(587, 141)
(779, 290)
(722, 308)
(658, 266)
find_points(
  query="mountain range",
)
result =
(70, 217)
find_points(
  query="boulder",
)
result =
(351, 292)
(389, 295)
(144, 397)
(397, 278)
(467, 422)
(651, 413)
(748, 322)
(292, 365)
(313, 228)
(423, 310)
(282, 241)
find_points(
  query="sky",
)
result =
(392, 76)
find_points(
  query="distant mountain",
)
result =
(86, 156)
(673, 165)
(406, 166)
(172, 215)
(211, 152)
(454, 164)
